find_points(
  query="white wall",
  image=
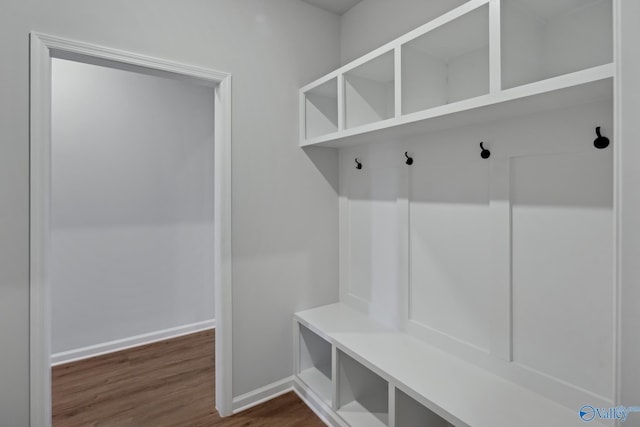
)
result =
(132, 205)
(372, 23)
(285, 224)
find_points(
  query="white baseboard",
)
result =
(126, 343)
(324, 412)
(278, 388)
(262, 394)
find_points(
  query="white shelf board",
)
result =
(460, 392)
(356, 415)
(563, 91)
(318, 382)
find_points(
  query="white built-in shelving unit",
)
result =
(485, 60)
(473, 292)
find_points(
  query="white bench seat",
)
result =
(458, 391)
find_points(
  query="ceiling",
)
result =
(336, 6)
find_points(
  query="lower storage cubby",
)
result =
(363, 397)
(410, 413)
(315, 364)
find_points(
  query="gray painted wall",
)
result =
(372, 23)
(284, 199)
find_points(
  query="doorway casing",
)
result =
(43, 49)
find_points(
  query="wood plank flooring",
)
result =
(165, 384)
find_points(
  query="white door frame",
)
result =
(43, 48)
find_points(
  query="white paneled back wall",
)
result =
(508, 259)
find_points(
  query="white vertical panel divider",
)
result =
(334, 378)
(404, 246)
(397, 74)
(341, 102)
(345, 258)
(500, 206)
(343, 245)
(501, 221)
(392, 406)
(344, 269)
(495, 42)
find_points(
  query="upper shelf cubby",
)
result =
(485, 60)
(543, 39)
(448, 64)
(321, 110)
(369, 91)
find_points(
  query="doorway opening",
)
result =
(46, 51)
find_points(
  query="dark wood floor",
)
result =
(166, 384)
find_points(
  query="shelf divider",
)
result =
(398, 81)
(341, 101)
(495, 46)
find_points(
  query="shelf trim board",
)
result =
(492, 100)
(577, 78)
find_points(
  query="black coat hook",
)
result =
(358, 164)
(601, 142)
(409, 159)
(485, 154)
